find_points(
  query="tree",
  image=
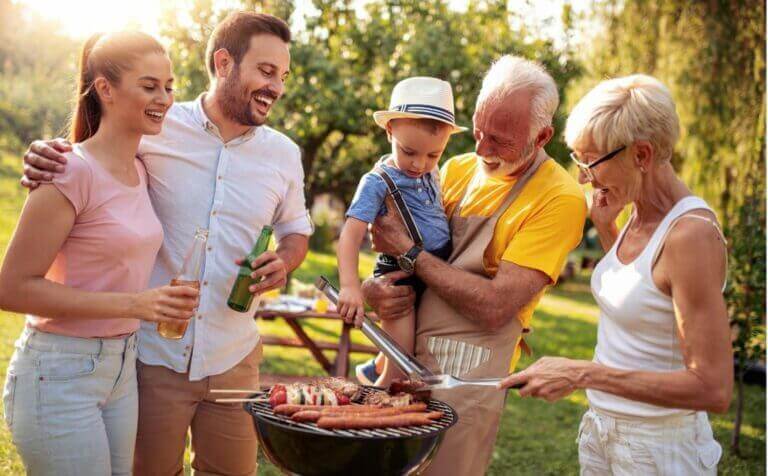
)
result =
(345, 64)
(37, 74)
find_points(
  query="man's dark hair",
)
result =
(235, 31)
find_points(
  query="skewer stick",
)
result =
(236, 390)
(238, 400)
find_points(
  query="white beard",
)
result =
(495, 167)
(488, 165)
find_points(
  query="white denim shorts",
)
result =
(680, 445)
(71, 404)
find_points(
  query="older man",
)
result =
(514, 217)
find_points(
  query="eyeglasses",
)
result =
(587, 168)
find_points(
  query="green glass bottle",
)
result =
(240, 297)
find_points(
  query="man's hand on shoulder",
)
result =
(43, 159)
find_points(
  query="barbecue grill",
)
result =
(306, 450)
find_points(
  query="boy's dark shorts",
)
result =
(386, 264)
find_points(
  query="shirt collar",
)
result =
(202, 119)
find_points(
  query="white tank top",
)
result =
(637, 328)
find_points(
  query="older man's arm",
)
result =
(491, 302)
(533, 259)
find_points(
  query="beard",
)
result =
(235, 102)
(496, 167)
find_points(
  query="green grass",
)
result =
(536, 437)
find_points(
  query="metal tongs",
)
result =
(414, 369)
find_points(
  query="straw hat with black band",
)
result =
(420, 97)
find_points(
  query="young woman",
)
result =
(78, 264)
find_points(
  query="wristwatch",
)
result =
(407, 262)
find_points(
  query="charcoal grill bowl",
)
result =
(306, 452)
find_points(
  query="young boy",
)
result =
(419, 122)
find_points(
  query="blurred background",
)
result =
(347, 55)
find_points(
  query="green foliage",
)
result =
(746, 293)
(344, 65)
(36, 77)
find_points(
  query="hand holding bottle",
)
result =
(187, 279)
(170, 304)
(269, 272)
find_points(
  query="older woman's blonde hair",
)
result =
(623, 110)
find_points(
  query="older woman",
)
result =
(663, 356)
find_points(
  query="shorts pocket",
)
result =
(709, 454)
(9, 394)
(66, 367)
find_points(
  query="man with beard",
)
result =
(514, 217)
(216, 166)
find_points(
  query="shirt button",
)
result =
(419, 189)
(210, 248)
(219, 177)
(205, 283)
(199, 317)
(213, 213)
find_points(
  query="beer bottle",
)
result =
(240, 297)
(188, 276)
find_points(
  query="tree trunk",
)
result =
(735, 437)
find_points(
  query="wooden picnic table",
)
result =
(340, 366)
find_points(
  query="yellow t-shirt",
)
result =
(537, 231)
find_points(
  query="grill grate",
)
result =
(264, 410)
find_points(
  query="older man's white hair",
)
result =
(510, 74)
(623, 110)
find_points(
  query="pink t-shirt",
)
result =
(111, 247)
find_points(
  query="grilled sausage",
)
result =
(354, 409)
(289, 409)
(363, 422)
(373, 411)
(306, 416)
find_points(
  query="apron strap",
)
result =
(520, 184)
(402, 207)
(513, 192)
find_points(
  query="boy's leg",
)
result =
(167, 404)
(379, 361)
(403, 331)
(224, 438)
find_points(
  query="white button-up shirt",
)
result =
(233, 189)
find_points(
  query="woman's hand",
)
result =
(550, 378)
(604, 211)
(167, 304)
(350, 305)
(603, 214)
